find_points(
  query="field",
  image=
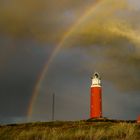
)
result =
(72, 130)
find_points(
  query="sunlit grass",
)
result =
(80, 130)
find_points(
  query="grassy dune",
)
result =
(78, 130)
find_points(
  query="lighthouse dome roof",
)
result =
(96, 75)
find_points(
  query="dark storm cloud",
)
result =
(42, 20)
(70, 83)
(21, 57)
(20, 64)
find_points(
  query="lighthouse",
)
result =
(96, 97)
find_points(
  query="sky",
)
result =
(54, 47)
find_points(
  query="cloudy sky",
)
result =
(89, 36)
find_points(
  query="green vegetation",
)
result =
(78, 130)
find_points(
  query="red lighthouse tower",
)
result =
(96, 97)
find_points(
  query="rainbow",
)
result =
(35, 93)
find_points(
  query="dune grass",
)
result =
(80, 130)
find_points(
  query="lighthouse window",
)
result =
(96, 75)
